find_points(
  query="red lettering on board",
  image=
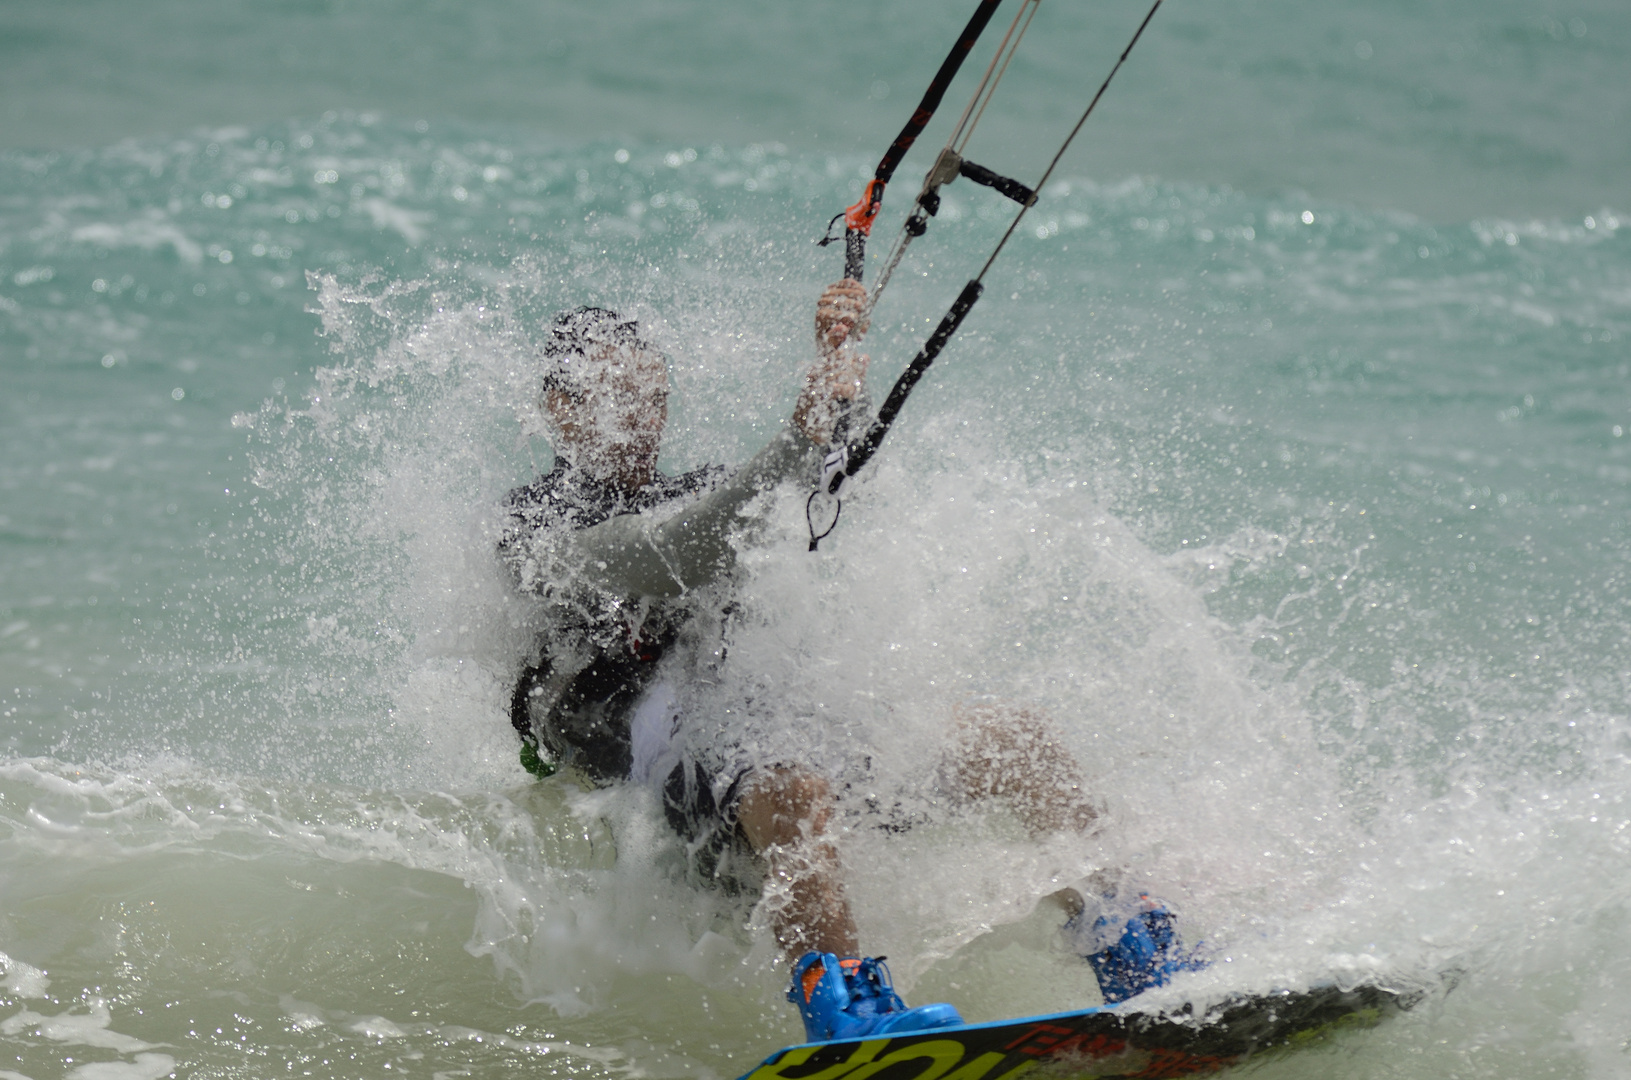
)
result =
(1092, 1046)
(1039, 1040)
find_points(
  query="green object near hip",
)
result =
(534, 764)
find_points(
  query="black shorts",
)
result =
(701, 806)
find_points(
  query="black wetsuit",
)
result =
(575, 701)
(636, 579)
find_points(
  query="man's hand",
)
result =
(837, 374)
(839, 313)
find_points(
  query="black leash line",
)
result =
(847, 460)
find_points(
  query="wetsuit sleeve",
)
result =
(633, 555)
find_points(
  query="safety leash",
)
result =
(849, 458)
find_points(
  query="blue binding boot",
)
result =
(853, 997)
(1147, 953)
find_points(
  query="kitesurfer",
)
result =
(636, 567)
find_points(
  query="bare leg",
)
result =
(784, 814)
(1016, 754)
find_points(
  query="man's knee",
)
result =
(1003, 748)
(1016, 753)
(784, 806)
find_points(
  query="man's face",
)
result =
(611, 423)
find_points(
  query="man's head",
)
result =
(606, 389)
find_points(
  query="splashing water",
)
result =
(1300, 520)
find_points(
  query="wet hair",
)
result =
(572, 335)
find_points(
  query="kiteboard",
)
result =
(1100, 1042)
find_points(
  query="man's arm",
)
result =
(631, 554)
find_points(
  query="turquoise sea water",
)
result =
(1284, 463)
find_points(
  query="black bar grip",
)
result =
(861, 453)
(1001, 184)
(854, 253)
